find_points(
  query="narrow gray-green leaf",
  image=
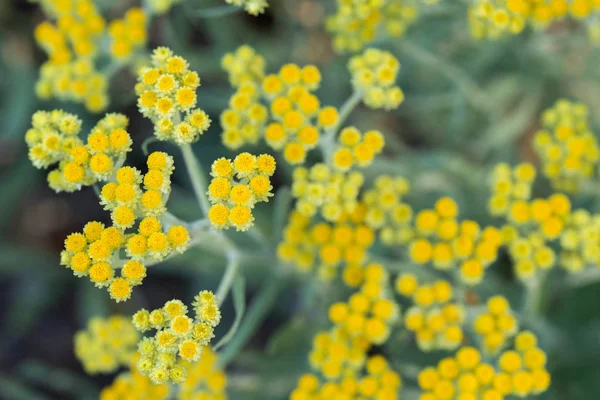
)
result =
(239, 304)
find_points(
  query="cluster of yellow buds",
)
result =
(330, 193)
(128, 35)
(567, 148)
(496, 325)
(96, 251)
(435, 318)
(176, 335)
(580, 241)
(531, 254)
(440, 239)
(206, 380)
(374, 75)
(495, 18)
(358, 22)
(356, 149)
(245, 119)
(379, 382)
(166, 90)
(511, 188)
(386, 210)
(72, 44)
(106, 344)
(370, 312)
(132, 385)
(53, 139)
(236, 187)
(335, 353)
(327, 245)
(244, 65)
(252, 7)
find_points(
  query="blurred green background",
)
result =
(468, 105)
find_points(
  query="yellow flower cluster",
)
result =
(580, 241)
(511, 188)
(495, 18)
(166, 90)
(358, 22)
(96, 252)
(496, 325)
(106, 344)
(53, 139)
(244, 65)
(356, 148)
(327, 245)
(386, 211)
(295, 117)
(236, 187)
(374, 76)
(320, 190)
(161, 6)
(531, 254)
(252, 7)
(176, 335)
(128, 35)
(369, 313)
(134, 386)
(435, 318)
(442, 240)
(379, 382)
(567, 148)
(205, 381)
(72, 44)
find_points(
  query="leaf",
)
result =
(283, 200)
(239, 304)
(15, 390)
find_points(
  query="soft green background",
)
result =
(468, 105)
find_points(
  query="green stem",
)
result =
(196, 173)
(535, 296)
(217, 12)
(259, 308)
(327, 142)
(230, 273)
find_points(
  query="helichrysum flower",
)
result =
(106, 344)
(252, 7)
(579, 242)
(567, 148)
(133, 200)
(245, 119)
(133, 385)
(167, 95)
(511, 189)
(178, 337)
(54, 139)
(435, 317)
(356, 149)
(236, 187)
(244, 65)
(205, 378)
(320, 190)
(374, 75)
(128, 35)
(496, 325)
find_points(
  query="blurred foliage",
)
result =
(468, 105)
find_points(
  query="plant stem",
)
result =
(535, 295)
(217, 12)
(328, 140)
(196, 173)
(227, 281)
(259, 308)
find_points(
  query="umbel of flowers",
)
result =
(178, 337)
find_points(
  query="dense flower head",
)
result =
(377, 381)
(245, 119)
(72, 44)
(237, 185)
(386, 211)
(244, 65)
(106, 344)
(579, 242)
(177, 337)
(205, 380)
(167, 95)
(356, 149)
(435, 317)
(132, 385)
(53, 139)
(321, 190)
(511, 189)
(97, 251)
(327, 246)
(496, 325)
(358, 22)
(252, 7)
(374, 75)
(567, 148)
(128, 35)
